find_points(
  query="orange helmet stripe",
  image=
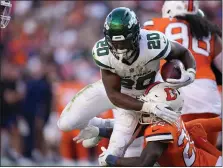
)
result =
(190, 5)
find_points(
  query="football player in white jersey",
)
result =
(129, 59)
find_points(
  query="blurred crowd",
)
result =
(45, 59)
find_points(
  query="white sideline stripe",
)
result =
(159, 137)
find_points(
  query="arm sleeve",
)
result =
(199, 136)
(209, 125)
(102, 61)
(165, 47)
(164, 50)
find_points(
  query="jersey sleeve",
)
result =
(159, 46)
(165, 46)
(161, 131)
(101, 53)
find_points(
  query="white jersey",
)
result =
(135, 78)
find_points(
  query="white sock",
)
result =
(101, 123)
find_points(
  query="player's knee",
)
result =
(68, 123)
(63, 124)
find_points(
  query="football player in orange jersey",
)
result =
(200, 135)
(171, 144)
(185, 23)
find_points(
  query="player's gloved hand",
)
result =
(87, 133)
(102, 157)
(161, 110)
(92, 142)
(187, 77)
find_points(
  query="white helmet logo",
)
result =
(133, 20)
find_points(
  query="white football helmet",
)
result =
(5, 14)
(171, 9)
(160, 92)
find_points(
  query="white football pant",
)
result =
(90, 102)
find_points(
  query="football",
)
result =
(171, 69)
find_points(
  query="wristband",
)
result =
(111, 160)
(104, 133)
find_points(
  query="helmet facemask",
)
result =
(125, 48)
(5, 13)
(158, 93)
(145, 117)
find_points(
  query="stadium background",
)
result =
(46, 59)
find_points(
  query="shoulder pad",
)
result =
(101, 53)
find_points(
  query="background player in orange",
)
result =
(183, 22)
(171, 145)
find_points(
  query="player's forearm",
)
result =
(210, 127)
(126, 102)
(207, 124)
(184, 55)
(188, 60)
(148, 157)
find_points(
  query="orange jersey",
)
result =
(178, 30)
(199, 129)
(181, 150)
(220, 89)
